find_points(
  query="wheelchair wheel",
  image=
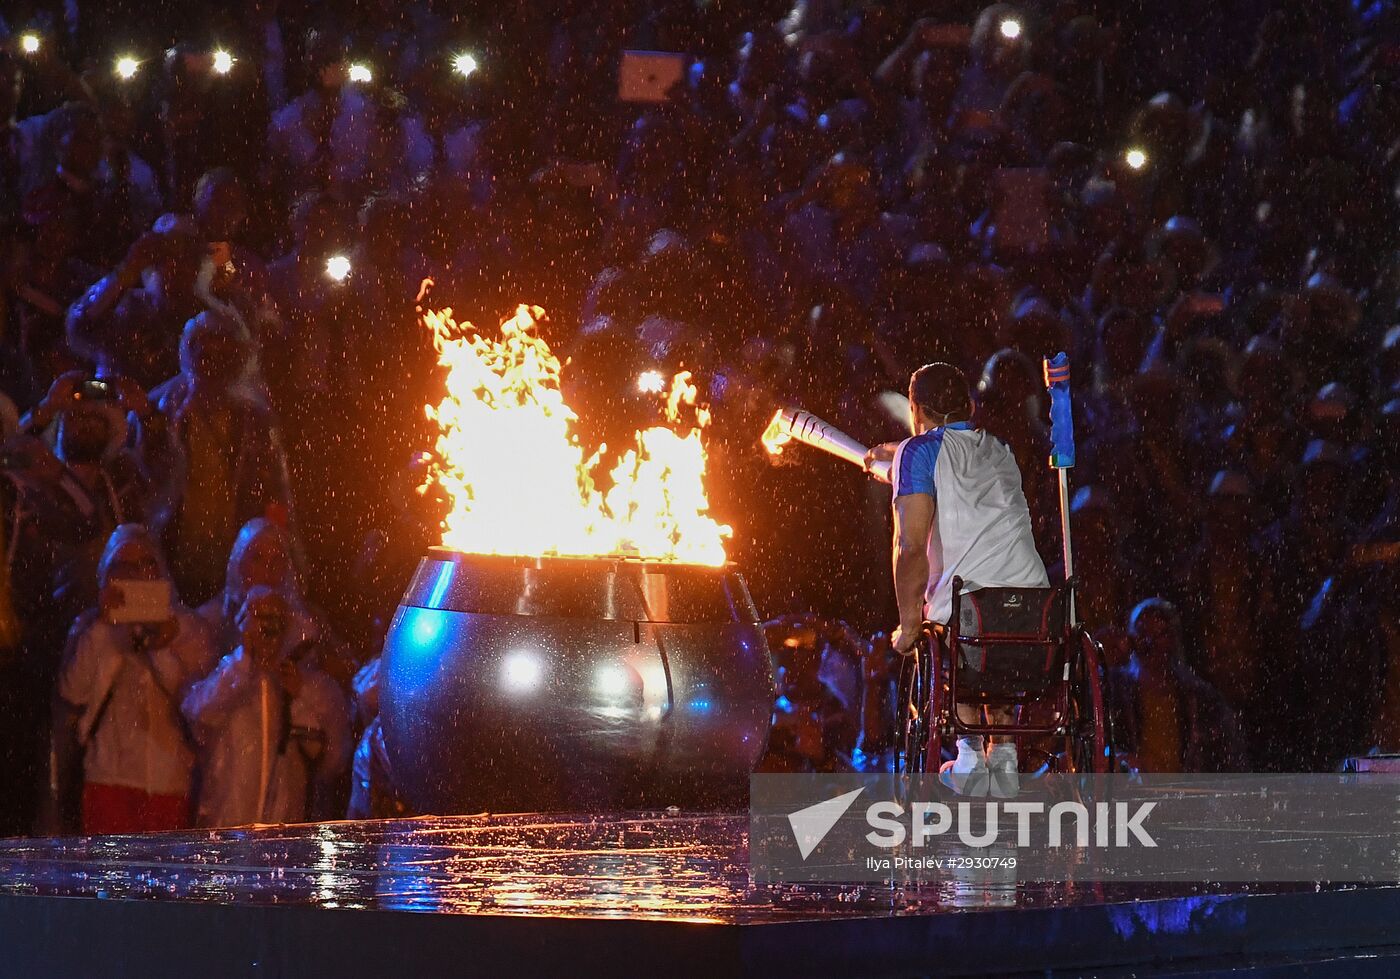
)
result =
(1088, 750)
(910, 736)
(918, 737)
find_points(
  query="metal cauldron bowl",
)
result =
(529, 684)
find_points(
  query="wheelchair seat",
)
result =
(1009, 641)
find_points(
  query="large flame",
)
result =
(516, 476)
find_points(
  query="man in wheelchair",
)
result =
(959, 511)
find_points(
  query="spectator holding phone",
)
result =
(96, 484)
(275, 729)
(261, 557)
(103, 480)
(128, 665)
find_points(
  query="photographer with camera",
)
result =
(129, 321)
(128, 665)
(75, 497)
(275, 729)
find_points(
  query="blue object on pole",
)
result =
(1061, 417)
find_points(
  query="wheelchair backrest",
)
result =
(1025, 613)
(1009, 640)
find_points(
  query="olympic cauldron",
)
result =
(537, 684)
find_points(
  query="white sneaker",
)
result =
(967, 773)
(1005, 770)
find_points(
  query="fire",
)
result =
(776, 436)
(517, 477)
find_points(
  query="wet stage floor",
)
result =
(620, 890)
(649, 865)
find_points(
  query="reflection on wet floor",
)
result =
(641, 865)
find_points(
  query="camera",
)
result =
(94, 390)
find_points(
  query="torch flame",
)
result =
(515, 473)
(776, 436)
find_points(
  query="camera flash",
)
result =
(127, 67)
(360, 73)
(29, 43)
(1136, 158)
(1011, 29)
(651, 382)
(223, 62)
(464, 65)
(338, 268)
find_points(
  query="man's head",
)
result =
(938, 395)
(1229, 504)
(325, 60)
(263, 621)
(1321, 493)
(79, 139)
(131, 554)
(261, 557)
(1155, 629)
(84, 434)
(173, 264)
(1009, 381)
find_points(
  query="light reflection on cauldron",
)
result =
(536, 684)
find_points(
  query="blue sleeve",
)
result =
(914, 464)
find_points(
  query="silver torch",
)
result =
(794, 424)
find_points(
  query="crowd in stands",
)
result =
(214, 224)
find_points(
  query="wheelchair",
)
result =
(1008, 648)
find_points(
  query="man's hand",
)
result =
(131, 396)
(880, 453)
(260, 646)
(261, 622)
(61, 392)
(164, 633)
(906, 637)
(152, 248)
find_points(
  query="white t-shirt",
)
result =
(982, 530)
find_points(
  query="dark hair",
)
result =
(942, 391)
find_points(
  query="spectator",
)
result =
(372, 794)
(318, 140)
(119, 696)
(221, 453)
(274, 729)
(129, 321)
(238, 275)
(45, 276)
(814, 728)
(96, 484)
(1227, 616)
(261, 557)
(1166, 718)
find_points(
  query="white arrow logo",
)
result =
(810, 825)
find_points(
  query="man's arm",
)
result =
(913, 523)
